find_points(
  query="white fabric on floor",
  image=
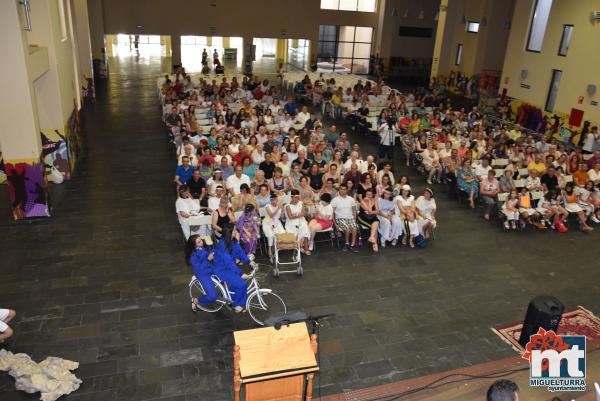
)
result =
(51, 377)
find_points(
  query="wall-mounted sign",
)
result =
(525, 86)
(594, 103)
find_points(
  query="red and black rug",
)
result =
(579, 321)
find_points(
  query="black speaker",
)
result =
(544, 311)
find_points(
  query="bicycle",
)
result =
(261, 303)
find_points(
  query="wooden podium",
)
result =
(274, 364)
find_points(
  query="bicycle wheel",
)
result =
(196, 291)
(264, 303)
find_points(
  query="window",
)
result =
(459, 50)
(565, 40)
(539, 21)
(368, 6)
(194, 40)
(62, 20)
(298, 52)
(473, 27)
(345, 49)
(553, 91)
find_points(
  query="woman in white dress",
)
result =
(405, 203)
(295, 222)
(271, 223)
(390, 225)
(426, 208)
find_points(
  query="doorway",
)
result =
(228, 50)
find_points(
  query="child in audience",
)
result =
(413, 228)
(572, 205)
(247, 225)
(528, 213)
(510, 209)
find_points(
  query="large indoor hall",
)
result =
(367, 200)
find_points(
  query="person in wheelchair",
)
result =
(227, 256)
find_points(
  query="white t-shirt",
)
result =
(405, 202)
(213, 203)
(481, 171)
(358, 162)
(233, 182)
(185, 205)
(285, 125)
(326, 211)
(593, 175)
(302, 117)
(258, 157)
(343, 207)
(590, 141)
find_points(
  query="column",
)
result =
(281, 51)
(386, 25)
(247, 55)
(96, 26)
(84, 44)
(19, 128)
(175, 50)
(439, 39)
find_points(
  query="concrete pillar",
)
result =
(19, 127)
(439, 39)
(96, 24)
(281, 51)
(175, 50)
(226, 42)
(384, 33)
(84, 44)
(246, 61)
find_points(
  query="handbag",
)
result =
(560, 227)
(420, 241)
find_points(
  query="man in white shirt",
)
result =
(188, 151)
(590, 140)
(354, 159)
(344, 212)
(387, 139)
(213, 201)
(370, 161)
(248, 123)
(237, 179)
(481, 171)
(286, 123)
(186, 207)
(386, 169)
(303, 116)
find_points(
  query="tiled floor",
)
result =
(103, 281)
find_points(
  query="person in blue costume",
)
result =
(200, 258)
(228, 255)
